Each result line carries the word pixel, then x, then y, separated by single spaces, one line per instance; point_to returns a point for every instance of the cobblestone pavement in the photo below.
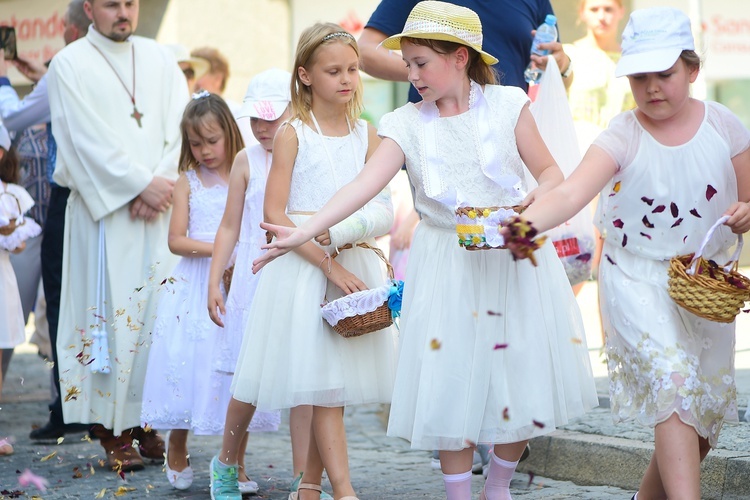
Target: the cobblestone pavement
pixel 381 467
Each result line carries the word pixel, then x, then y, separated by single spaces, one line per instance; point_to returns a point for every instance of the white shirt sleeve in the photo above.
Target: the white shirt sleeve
pixel 18 114
pixel 374 219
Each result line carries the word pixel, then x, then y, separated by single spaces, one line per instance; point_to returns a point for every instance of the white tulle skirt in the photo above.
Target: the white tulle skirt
pixel 290 356
pixel 491 351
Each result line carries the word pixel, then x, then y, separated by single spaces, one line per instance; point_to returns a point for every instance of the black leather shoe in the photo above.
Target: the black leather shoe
pixel 51 432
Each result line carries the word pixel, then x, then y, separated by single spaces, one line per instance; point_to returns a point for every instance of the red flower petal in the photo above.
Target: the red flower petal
pixel 646 235
pixel 609 259
pixel 710 192
pixel 624 239
pixel 584 257
pixel 500 346
pixel 677 223
pixel 506 414
pixel 695 213
pixel 618 223
pixel 646 222
pixel 493 313
pixel 538 424
pixel 658 209
pixel 674 209
pixel 647 201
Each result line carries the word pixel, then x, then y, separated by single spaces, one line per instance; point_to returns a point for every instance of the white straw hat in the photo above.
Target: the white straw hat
pixel 200 66
pixel 268 95
pixel 653 40
pixel 434 20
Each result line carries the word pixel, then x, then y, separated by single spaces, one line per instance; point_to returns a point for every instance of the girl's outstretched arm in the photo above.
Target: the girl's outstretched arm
pixel 179 242
pixel 378 171
pixel 536 156
pixel 568 198
pixel 227 234
pixel 739 213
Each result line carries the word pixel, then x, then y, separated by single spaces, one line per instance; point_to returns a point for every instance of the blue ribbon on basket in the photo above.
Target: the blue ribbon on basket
pixel 395 295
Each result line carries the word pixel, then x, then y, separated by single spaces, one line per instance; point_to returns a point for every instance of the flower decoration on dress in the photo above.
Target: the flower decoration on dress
pixel 395 295
pixel 520 236
pixel 201 94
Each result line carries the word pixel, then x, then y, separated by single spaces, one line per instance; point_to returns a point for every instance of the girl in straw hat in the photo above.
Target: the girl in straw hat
pixel 492 350
pixel 669 172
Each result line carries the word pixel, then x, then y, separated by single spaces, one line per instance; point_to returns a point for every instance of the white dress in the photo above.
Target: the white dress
pixel 290 356
pixel 661 203
pixel 244 283
pixel 181 390
pixel 12 327
pixel 492 350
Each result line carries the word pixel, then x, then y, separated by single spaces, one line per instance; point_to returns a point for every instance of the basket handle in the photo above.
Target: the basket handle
pixel 732 261
pixel 378 251
pixel 19 219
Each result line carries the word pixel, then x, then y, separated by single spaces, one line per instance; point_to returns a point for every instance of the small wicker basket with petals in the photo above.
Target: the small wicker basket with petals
pixel 472 236
pixel 706 289
pixel 15 221
pixel 354 326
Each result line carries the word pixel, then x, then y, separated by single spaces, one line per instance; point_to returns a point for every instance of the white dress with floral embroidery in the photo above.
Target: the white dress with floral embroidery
pixel 661 202
pixel 182 391
pixel 492 349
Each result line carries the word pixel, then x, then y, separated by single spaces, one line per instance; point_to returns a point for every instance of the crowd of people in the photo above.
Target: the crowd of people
pixel 183 243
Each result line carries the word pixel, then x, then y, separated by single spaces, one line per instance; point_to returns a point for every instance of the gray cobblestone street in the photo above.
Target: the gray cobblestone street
pixel 381 467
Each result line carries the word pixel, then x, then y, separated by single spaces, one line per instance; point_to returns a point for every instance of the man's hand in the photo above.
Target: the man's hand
pixel 140 210
pixel 34 71
pixel 158 194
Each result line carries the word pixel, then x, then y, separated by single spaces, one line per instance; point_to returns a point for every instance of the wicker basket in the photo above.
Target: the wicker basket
pixel 472 236
pixel 16 221
pixel 706 289
pixel 380 318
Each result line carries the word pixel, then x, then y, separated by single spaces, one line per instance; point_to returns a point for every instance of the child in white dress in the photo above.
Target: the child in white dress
pixel 14 203
pixel 266 105
pixel 667 172
pixel 289 355
pixel 492 350
pixel 182 392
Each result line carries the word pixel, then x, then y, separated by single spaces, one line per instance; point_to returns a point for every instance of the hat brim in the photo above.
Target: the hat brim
pixel 200 66
pixel 652 61
pixel 394 42
pixel 265 110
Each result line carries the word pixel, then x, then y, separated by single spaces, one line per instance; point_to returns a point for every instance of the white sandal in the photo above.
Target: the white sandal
pixel 181 480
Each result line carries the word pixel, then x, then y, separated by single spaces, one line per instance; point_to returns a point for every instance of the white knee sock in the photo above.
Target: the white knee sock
pixel 458 486
pixel 497 486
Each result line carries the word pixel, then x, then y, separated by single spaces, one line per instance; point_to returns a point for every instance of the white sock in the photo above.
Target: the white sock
pixel 458 486
pixel 500 473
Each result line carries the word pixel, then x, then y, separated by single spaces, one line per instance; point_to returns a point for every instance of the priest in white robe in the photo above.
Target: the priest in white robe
pixel 116 102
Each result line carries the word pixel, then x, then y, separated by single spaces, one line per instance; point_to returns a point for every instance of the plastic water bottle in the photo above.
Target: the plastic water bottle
pixel 545 33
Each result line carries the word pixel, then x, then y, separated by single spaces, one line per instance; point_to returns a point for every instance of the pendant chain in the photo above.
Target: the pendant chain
pixel 136 115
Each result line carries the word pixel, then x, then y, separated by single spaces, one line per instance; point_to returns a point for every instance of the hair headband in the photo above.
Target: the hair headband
pixel 201 94
pixel 338 34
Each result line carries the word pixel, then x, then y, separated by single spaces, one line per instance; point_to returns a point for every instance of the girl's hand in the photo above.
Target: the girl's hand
pixel 324 239
pixel 535 194
pixel 20 248
pixel 216 307
pixel 739 217
pixel 286 239
pixel 346 281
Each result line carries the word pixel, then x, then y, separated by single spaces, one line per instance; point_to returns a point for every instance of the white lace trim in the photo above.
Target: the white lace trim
pixel 355 304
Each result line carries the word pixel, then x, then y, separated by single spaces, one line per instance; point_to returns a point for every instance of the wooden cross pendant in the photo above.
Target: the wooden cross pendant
pixel 137 115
